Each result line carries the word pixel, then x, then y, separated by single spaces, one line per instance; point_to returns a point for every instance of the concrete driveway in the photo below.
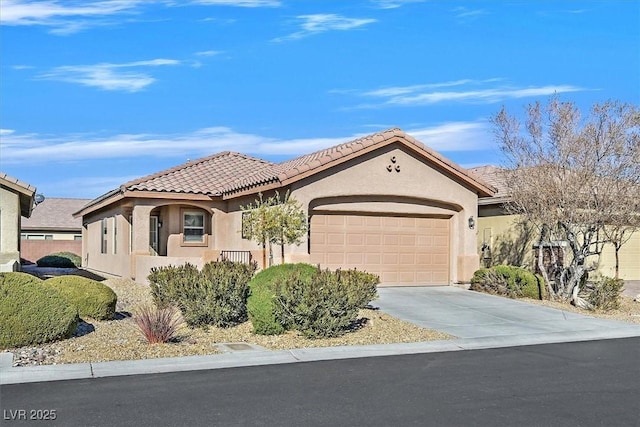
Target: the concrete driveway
pixel 468 314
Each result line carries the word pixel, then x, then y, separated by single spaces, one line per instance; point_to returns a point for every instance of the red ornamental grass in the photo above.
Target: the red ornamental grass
pixel 158 325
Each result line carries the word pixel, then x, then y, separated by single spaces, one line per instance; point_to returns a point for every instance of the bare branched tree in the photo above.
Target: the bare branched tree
pixel 570 177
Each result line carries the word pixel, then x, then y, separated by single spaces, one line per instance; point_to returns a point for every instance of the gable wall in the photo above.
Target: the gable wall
pixel 368 176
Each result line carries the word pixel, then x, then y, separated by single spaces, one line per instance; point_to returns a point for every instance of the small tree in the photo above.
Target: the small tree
pixel 274 220
pixel 290 223
pixel 571 177
pixel 259 222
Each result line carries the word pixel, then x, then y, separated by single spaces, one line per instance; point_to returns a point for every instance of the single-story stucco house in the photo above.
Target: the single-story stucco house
pixel 384 203
pixel 52 228
pixel 504 238
pixel 16 201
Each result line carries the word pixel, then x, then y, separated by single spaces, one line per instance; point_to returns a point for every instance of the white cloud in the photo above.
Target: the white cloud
pixel 67 17
pixel 240 3
pixel 108 76
pixel 36 149
pixel 455 136
pixel 322 22
pixel 464 14
pixel 64 17
pixel 393 4
pixel 209 53
pixel 465 90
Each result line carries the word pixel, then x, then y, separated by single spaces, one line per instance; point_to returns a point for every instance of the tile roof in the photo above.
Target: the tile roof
pixel 26 192
pixel 494 176
pixel 209 175
pixel 227 173
pixel 24 187
pixel 293 168
pixel 55 214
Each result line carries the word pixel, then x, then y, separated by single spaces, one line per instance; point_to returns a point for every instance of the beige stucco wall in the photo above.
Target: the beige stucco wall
pixel 361 185
pixel 9 230
pixel 366 185
pixel 502 231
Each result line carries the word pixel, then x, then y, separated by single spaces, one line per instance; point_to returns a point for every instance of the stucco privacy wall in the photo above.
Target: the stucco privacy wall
pixel 504 236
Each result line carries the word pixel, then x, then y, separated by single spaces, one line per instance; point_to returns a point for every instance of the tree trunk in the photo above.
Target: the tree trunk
pixel 617 248
pixel 282 253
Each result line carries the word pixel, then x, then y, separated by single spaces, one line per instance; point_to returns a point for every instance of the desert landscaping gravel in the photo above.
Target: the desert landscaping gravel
pixel 120 339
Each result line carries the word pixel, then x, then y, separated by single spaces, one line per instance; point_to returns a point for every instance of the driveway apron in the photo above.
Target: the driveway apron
pixel 469 314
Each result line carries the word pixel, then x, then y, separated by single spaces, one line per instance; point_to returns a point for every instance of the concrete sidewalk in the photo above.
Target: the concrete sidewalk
pixel 479 321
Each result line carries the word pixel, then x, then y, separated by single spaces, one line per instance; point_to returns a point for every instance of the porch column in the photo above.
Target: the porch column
pixel 140 233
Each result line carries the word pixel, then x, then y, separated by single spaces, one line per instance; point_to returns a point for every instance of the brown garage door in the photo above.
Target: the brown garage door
pixel 401 250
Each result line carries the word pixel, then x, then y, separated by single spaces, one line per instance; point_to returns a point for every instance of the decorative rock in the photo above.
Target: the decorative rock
pixel 33 356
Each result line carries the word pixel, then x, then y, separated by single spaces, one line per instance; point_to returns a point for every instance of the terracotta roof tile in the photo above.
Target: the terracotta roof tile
pixel 209 175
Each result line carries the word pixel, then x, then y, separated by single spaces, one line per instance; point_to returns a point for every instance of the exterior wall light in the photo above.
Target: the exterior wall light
pixel 472 222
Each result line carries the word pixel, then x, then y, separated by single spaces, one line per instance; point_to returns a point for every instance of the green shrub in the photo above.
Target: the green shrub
pixel 217 295
pixel 19 278
pixel 327 304
pixel 31 313
pixel 170 284
pixel 361 287
pixel 605 293
pixel 513 282
pixel 263 286
pixel 60 260
pixel 91 298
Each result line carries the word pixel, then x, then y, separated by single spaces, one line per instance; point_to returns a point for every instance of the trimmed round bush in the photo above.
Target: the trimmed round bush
pixel 263 286
pixel 507 280
pixel 91 298
pixel 19 278
pixel 31 313
pixel 60 260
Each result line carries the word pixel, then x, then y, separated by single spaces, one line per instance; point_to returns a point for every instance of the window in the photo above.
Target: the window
pixel 115 235
pixel 246 230
pixel 193 227
pixel 77 237
pixel 103 247
pixel 37 236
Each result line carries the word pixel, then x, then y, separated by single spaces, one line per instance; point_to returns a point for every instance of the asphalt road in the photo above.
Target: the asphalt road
pixel 593 383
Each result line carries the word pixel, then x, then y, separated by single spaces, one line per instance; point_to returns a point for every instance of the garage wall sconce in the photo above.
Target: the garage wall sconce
pixel 472 222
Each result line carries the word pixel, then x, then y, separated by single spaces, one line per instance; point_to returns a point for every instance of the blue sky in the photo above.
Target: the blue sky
pixel 95 93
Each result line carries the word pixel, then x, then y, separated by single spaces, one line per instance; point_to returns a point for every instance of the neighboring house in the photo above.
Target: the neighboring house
pixel 52 228
pixel 383 203
pixel 16 201
pixel 504 238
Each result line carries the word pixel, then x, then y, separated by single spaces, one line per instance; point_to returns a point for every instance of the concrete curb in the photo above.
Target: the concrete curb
pixel 10 375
